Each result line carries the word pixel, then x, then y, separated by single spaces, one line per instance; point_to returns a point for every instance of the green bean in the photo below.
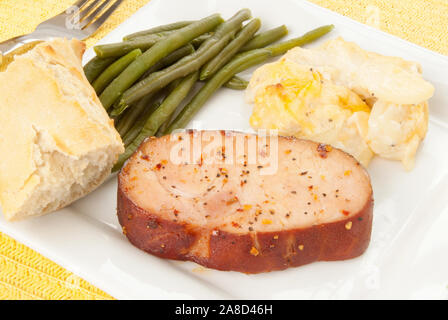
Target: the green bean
pixel 95 66
pixel 265 38
pixel 147 41
pixel 236 83
pixel 121 48
pixel 162 130
pixel 114 70
pixel 310 36
pixel 231 24
pixel 138 125
pixel 127 121
pixel 173 85
pixel 170 59
pixel 157 34
pixel 230 50
pixel 200 40
pixel 159 116
pixel 190 63
pixel 154 54
pixel 158 29
pixel 239 63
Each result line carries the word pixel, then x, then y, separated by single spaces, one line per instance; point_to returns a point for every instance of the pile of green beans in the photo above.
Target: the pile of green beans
pixel 154 54
pixel 143 82
pixel 207 50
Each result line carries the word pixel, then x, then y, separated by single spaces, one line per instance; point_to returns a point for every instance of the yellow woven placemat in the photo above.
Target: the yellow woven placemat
pixel 424 22
pixel 25 274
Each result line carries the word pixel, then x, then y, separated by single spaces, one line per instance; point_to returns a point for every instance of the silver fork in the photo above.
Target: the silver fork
pixel 79 21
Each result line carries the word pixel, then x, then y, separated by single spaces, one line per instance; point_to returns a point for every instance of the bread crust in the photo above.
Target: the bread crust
pixel 57 141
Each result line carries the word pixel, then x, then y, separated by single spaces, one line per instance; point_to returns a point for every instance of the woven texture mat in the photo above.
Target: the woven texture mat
pixel 25 274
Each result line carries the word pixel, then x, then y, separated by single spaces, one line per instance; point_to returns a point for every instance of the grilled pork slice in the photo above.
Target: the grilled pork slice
pixel 235 201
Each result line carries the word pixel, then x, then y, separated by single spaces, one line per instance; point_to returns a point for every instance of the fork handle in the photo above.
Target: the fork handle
pixel 9 44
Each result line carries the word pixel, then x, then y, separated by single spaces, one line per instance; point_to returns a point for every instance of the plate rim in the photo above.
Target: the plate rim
pixel 18 236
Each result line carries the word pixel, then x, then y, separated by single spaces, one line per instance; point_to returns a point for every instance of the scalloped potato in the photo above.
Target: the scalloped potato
pixel 361 102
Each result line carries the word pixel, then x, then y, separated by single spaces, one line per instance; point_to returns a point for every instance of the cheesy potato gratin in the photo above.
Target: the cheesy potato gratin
pixel 361 102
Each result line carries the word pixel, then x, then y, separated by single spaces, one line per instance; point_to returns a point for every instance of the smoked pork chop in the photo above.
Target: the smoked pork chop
pixel 236 201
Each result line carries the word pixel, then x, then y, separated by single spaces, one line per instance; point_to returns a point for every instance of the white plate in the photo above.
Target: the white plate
pixel 407 257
